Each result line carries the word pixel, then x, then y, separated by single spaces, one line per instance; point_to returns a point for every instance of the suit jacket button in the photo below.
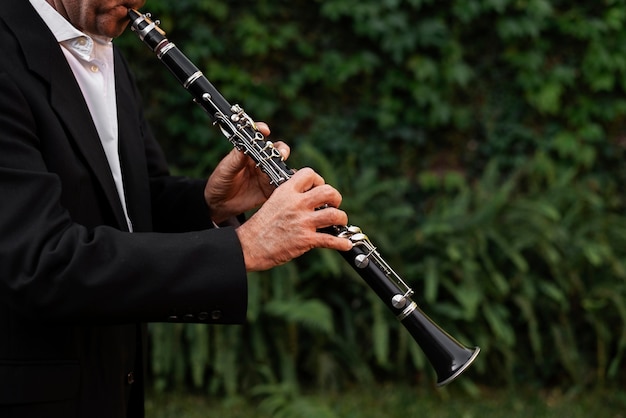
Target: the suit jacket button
pixel 130 378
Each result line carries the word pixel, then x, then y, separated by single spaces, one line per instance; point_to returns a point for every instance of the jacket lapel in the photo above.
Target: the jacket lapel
pixel 65 96
pixel 131 149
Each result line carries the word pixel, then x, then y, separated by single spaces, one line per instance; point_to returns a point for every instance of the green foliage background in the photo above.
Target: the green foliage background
pixel 479 143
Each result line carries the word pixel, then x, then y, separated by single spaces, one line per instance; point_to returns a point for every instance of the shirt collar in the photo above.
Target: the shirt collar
pixel 65 33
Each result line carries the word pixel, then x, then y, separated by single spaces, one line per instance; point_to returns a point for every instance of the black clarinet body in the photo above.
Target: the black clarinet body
pixel 448 357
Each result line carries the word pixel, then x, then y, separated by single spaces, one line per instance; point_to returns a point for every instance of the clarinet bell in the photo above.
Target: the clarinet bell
pixel 448 357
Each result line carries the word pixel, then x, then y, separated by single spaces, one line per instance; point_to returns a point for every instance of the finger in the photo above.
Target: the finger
pixel 305 179
pixel 330 241
pixel 323 195
pixel 283 148
pixel 263 128
pixel 328 217
pixel 235 160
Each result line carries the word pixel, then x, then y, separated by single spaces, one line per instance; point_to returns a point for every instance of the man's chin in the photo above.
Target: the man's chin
pixel 112 27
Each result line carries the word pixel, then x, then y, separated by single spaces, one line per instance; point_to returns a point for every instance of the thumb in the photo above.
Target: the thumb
pixel 234 161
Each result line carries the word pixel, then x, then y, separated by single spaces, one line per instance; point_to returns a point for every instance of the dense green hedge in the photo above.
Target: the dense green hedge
pixel 479 143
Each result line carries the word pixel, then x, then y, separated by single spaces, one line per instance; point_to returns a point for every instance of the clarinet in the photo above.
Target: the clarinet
pixel 448 357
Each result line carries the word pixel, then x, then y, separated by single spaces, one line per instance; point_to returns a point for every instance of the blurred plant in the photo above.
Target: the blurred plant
pixel 536 264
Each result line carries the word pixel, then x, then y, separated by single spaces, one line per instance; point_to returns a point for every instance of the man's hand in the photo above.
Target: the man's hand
pixel 287 225
pixel 237 185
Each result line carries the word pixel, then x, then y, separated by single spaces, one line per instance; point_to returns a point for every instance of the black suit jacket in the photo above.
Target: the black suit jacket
pixel 74 284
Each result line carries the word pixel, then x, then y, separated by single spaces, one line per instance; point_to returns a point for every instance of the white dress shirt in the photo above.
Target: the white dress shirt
pixel 91 60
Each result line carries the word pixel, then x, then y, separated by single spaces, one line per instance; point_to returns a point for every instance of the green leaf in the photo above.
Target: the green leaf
pixel 312 314
pixel 497 317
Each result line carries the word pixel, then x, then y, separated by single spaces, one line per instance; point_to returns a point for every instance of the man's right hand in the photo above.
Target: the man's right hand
pixel 287 225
